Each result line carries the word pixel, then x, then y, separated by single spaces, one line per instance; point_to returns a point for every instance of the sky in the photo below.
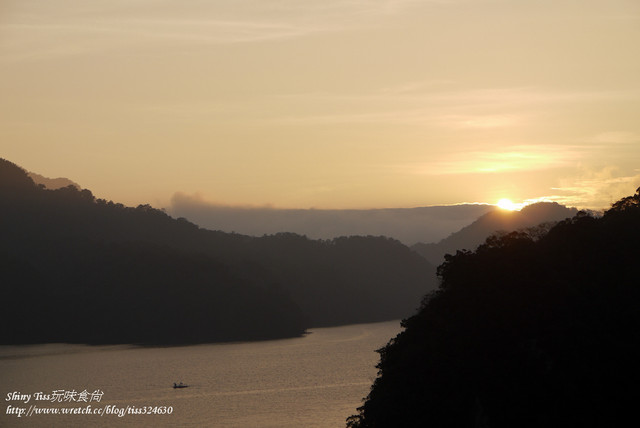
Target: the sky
pixel 339 104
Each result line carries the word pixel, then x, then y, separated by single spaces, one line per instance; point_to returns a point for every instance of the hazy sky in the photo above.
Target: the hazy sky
pixel 326 104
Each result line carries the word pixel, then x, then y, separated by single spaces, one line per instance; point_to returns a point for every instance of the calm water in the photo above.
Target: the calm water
pixel 314 381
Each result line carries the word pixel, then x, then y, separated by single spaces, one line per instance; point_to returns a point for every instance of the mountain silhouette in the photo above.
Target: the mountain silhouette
pixel 408 225
pixel 541 214
pixel 531 329
pixel 136 275
pixel 52 183
pixel 76 269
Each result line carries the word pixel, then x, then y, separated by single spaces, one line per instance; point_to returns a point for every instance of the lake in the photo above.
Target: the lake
pixel 313 381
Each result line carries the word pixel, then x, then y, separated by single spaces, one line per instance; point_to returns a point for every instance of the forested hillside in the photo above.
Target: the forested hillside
pixel 527 331
pixel 77 269
pixel 541 215
pixel 118 274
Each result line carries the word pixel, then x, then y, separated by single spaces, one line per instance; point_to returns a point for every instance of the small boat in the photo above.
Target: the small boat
pixel 180 385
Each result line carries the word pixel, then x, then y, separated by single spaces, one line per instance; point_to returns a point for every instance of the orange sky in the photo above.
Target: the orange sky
pixel 333 104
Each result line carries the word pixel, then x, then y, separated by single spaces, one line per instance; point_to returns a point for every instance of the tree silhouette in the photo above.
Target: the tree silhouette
pixel 143 276
pixel 526 331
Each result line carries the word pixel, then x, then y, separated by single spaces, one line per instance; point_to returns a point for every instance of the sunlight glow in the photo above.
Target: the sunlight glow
pixel 506 204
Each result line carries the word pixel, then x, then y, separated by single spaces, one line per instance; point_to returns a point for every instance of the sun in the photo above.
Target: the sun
pixel 506 204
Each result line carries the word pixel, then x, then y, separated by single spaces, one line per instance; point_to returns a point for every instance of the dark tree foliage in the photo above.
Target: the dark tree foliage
pixel 346 280
pixel 527 331
pixel 75 268
pixel 541 215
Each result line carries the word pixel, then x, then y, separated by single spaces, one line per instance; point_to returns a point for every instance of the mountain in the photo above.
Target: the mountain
pixel 408 225
pixel 345 280
pixel 529 330
pixel 76 269
pixel 52 183
pixel 137 275
pixel 542 214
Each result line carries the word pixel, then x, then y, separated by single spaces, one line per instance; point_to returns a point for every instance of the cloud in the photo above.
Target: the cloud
pixel 483 121
pixel 438 104
pixel 41 30
pixel 71 39
pixel 617 137
pixel 416 86
pixel 595 189
pixel 503 159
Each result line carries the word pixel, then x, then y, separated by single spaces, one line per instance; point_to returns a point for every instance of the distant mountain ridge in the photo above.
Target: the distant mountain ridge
pixel 408 225
pixel 52 183
pixel 471 236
